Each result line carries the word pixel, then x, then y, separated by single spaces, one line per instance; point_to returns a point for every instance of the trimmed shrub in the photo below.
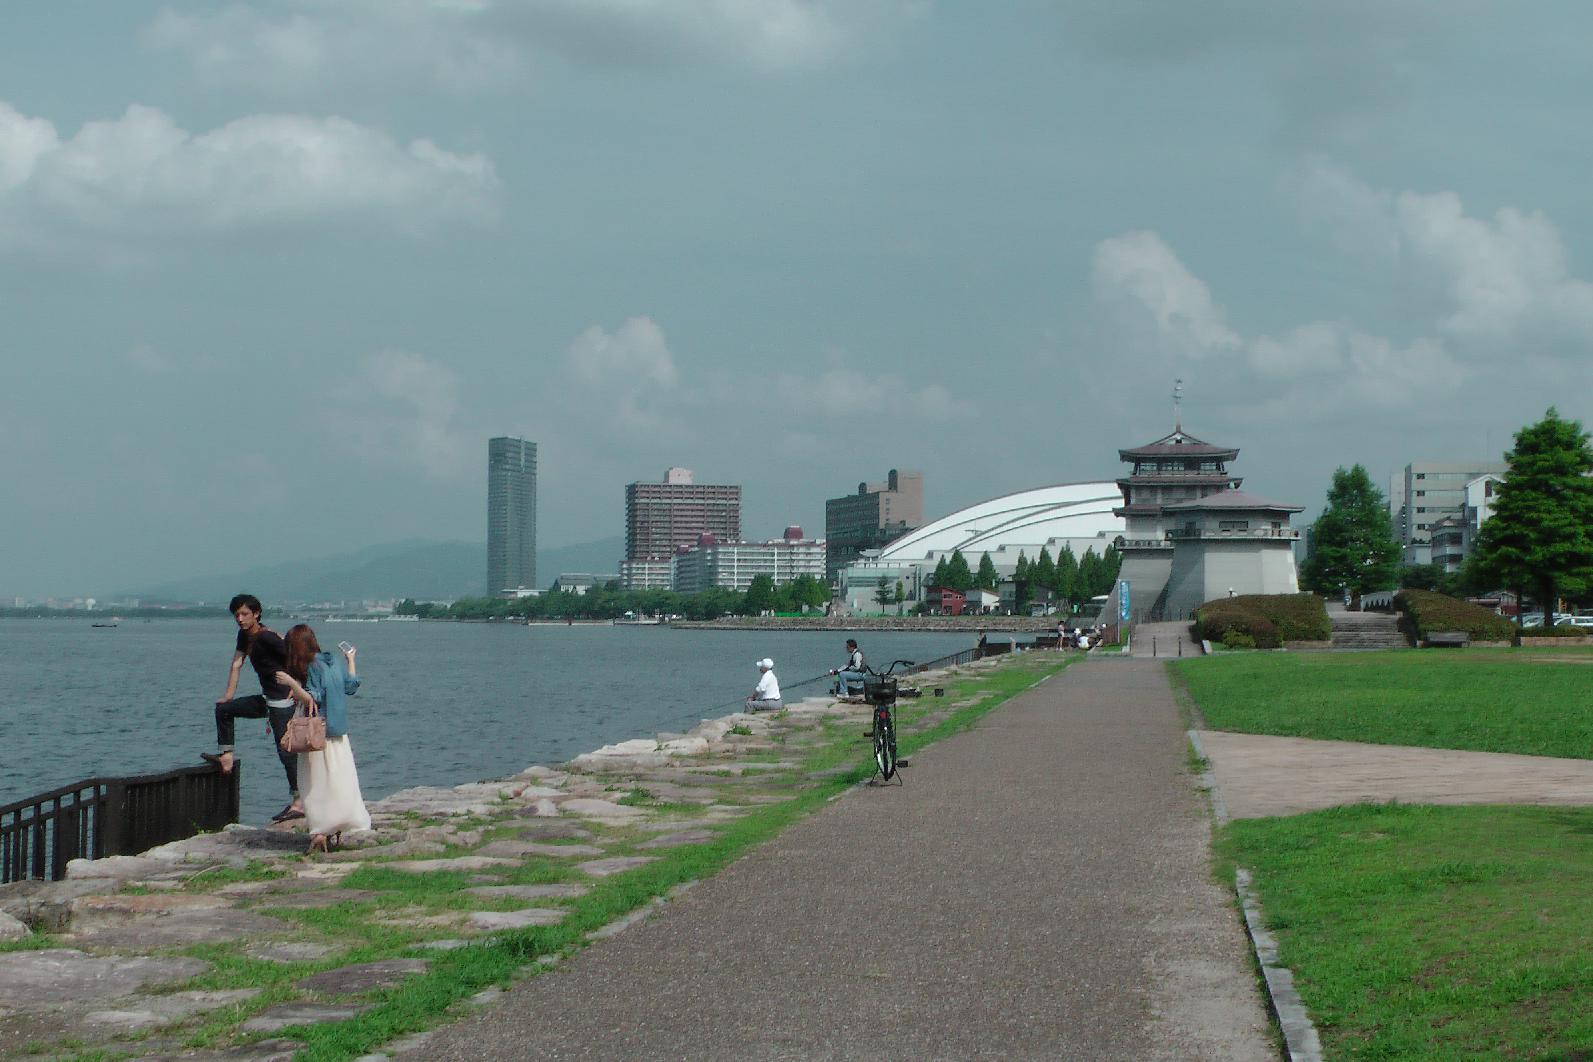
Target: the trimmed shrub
pixel 1559 630
pixel 1271 619
pixel 1430 612
pixel 1239 640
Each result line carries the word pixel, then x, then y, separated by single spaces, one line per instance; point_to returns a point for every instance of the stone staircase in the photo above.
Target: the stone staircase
pixel 1367 630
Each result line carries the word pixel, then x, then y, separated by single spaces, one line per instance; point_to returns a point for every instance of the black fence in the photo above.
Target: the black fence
pixel 112 816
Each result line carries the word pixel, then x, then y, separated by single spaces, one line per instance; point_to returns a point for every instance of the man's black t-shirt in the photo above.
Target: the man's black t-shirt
pixel 269 654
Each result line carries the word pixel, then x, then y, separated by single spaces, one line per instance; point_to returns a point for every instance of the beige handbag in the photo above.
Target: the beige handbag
pixel 305 733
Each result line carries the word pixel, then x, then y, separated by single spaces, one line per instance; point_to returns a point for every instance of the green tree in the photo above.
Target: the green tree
pixel 760 594
pixel 940 576
pixel 809 591
pixel 901 595
pixel 1352 542
pixel 1089 577
pixel 1420 576
pixel 1067 574
pixel 986 579
pixel 1044 571
pixel 1541 534
pixel 1022 584
pixel 958 575
pixel 882 593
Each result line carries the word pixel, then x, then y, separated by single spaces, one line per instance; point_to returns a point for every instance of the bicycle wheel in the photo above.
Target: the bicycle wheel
pixel 885 744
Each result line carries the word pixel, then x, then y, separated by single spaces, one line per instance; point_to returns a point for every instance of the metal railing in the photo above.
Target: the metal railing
pixel 100 817
pixel 1177 533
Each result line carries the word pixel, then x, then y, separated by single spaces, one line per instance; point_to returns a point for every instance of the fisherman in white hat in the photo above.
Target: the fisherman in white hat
pixel 766 695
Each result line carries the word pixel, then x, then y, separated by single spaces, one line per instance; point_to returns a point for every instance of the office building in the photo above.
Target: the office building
pixel 1428 492
pixel 661 518
pixel 877 515
pixel 511 515
pixel 733 565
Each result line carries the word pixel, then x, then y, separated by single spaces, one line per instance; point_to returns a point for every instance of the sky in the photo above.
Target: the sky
pixel 271 274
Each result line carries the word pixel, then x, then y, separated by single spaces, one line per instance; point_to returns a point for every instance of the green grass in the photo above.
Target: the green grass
pixel 1488 700
pixel 1432 933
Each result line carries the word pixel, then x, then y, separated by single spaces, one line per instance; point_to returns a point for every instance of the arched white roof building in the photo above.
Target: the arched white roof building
pixel 1027 519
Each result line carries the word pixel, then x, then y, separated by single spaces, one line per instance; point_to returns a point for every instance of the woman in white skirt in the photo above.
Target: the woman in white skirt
pixel 327 779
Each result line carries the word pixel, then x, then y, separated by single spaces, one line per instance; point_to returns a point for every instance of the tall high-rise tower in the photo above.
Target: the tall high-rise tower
pixel 511 514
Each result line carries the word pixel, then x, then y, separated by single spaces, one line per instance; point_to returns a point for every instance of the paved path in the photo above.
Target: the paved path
pixel 1164 640
pixel 1038 889
pixel 1259 775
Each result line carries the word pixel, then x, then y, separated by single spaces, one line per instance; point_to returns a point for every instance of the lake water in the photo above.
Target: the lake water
pixel 441 704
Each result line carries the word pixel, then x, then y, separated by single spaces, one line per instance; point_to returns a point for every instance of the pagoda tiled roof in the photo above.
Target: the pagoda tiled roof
pixel 1232 499
pixel 1179 444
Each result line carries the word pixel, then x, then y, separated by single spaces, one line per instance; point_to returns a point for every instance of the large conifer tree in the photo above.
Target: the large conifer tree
pixel 986 579
pixel 1352 542
pixel 1541 533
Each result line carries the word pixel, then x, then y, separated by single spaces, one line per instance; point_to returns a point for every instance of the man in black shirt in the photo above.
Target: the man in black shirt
pixel 268 654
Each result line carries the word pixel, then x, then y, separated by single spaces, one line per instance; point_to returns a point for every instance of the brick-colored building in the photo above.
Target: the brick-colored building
pixel 661 517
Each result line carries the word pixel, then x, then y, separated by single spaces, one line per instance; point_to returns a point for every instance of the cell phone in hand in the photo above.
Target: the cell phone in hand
pixel 345 646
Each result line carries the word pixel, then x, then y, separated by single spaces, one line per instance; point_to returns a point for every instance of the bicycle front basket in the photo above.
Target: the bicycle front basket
pixel 879 689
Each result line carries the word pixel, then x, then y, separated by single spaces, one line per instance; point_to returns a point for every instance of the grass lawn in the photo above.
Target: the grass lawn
pixel 1432 933
pixel 1488 700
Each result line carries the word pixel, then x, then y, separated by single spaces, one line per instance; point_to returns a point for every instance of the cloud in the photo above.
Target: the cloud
pixel 630 373
pixel 473 45
pixel 1142 282
pixel 315 42
pixel 1497 282
pixel 141 180
pixel 1166 319
pixel 1326 66
pixel 402 410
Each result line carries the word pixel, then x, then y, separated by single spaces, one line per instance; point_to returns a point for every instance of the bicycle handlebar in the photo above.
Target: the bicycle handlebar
pixel 888 670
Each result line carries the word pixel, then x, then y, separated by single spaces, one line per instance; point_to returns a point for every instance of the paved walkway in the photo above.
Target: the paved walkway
pixel 1039 889
pixel 1164 640
pixel 1259 776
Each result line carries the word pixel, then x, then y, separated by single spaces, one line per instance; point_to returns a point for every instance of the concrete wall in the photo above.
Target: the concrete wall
pixel 1206 569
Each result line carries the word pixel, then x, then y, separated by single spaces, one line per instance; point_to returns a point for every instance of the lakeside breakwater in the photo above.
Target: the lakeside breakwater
pixel 442 869
pixel 970 625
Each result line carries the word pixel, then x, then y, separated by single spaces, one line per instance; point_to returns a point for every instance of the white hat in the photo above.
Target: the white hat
pixel 766 663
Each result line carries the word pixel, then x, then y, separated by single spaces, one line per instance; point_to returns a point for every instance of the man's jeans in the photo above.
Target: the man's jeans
pixel 843 678
pixel 255 707
pixel 763 704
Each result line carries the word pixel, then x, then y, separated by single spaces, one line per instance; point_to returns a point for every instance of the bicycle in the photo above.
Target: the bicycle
pixel 879 690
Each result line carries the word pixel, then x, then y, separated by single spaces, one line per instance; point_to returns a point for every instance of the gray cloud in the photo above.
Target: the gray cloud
pixel 141 180
pixel 479 45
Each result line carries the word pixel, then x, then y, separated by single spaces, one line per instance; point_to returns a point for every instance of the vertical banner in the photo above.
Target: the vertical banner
pixel 1122 601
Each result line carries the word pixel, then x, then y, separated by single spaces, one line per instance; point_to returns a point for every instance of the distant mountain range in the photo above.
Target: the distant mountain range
pixel 424 570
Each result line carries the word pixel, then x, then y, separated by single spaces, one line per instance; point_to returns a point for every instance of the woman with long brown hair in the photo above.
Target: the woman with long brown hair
pixel 330 784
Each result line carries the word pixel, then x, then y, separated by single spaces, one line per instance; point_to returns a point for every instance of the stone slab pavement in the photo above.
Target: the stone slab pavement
pixel 1259 775
pixel 1038 889
pixel 1164 640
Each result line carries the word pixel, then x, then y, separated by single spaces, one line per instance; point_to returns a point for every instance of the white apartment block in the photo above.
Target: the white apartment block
pixel 733 565
pixel 1429 492
pixel 646 575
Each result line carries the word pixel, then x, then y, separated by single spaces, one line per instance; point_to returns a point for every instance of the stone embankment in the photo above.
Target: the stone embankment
pixel 236 942
pixel 963 624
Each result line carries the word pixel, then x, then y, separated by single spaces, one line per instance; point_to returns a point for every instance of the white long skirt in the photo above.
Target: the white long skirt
pixel 330 787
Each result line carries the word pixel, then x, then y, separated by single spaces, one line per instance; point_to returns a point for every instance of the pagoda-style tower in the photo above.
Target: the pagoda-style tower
pixel 1174 469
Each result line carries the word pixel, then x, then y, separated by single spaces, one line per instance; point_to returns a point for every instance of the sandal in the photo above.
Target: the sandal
pixel 217 758
pixel 317 844
pixel 287 814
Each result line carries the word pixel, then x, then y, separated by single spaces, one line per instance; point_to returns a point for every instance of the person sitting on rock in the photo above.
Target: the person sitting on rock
pixel 766 695
pixel 851 672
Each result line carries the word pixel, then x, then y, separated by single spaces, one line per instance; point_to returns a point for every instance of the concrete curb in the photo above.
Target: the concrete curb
pixel 1300 1040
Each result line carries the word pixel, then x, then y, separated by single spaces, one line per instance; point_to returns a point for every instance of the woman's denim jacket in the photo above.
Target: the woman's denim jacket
pixel 329 683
